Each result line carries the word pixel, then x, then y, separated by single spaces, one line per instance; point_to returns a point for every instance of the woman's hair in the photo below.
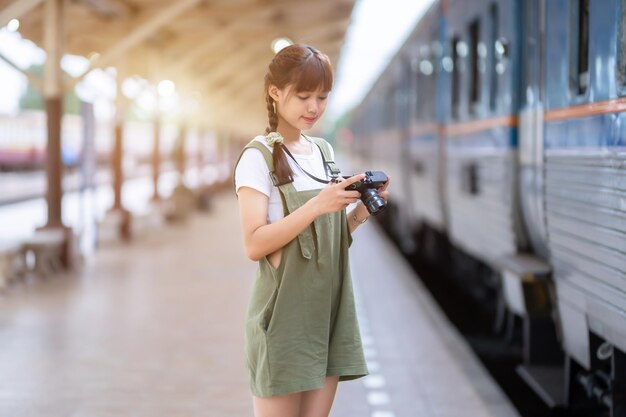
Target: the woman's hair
pixel 305 69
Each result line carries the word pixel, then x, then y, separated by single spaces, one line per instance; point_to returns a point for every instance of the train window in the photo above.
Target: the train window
pixel 493 82
pixel 425 86
pixel 622 46
pixel 470 179
pixel 456 77
pixel 579 46
pixel 474 33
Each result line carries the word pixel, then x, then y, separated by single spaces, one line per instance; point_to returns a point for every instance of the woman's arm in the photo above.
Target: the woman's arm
pixel 261 239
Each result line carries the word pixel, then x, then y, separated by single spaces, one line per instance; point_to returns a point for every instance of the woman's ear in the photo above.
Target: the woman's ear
pixel 274 92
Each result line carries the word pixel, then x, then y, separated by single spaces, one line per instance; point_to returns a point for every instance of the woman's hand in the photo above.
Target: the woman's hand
pixel 383 190
pixel 334 197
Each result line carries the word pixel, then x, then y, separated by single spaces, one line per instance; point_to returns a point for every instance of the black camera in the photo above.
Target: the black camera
pixel 368 187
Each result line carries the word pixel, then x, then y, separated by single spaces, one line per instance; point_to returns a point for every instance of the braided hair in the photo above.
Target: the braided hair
pixel 306 69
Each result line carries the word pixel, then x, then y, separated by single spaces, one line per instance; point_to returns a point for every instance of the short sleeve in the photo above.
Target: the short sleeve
pixel 252 171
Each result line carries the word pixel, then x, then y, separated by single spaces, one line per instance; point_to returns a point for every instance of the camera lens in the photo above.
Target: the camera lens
pixel 373 201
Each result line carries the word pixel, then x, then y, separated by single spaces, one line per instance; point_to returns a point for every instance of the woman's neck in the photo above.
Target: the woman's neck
pixel 289 133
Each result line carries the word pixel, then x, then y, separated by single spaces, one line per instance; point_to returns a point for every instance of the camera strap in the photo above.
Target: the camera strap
pixel 330 172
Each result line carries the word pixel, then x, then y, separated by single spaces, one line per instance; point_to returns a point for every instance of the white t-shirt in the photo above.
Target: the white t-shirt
pixel 252 172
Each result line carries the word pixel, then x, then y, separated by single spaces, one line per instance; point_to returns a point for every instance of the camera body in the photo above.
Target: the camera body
pixel 368 187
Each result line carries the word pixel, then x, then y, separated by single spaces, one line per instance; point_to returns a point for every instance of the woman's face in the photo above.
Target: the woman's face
pixel 300 109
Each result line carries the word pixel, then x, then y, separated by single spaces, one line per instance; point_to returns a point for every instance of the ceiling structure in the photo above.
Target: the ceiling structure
pixel 218 48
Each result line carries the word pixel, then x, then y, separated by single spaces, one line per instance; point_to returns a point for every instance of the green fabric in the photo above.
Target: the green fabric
pixel 325 147
pixel 301 322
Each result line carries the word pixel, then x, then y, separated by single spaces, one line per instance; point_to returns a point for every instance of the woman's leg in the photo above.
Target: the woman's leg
pixel 278 406
pixel 317 402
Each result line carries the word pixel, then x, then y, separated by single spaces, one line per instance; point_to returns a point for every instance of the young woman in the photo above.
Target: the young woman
pixel 302 335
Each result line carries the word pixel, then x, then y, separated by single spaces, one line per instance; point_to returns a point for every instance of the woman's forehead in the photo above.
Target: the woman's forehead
pixel 291 89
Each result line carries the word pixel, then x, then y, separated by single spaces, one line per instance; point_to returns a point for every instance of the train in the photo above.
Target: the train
pixel 502 124
pixel 23 141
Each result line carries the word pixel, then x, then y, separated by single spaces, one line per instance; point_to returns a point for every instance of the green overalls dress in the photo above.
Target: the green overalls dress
pixel 301 323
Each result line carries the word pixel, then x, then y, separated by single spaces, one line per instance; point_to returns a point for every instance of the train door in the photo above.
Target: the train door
pixel 531 144
pixel 405 222
pixel 481 134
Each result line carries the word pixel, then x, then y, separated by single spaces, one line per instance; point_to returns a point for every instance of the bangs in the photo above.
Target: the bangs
pixel 314 74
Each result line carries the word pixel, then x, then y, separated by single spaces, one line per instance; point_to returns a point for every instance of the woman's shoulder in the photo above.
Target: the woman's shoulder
pixel 323 144
pixel 252 147
pixel 261 139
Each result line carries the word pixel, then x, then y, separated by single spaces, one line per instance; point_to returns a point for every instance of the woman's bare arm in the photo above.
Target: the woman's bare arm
pixel 261 239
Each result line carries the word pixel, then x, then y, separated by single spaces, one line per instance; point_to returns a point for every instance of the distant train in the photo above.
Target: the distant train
pixel 23 141
pixel 502 125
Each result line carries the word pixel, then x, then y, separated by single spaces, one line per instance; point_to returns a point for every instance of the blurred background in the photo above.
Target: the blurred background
pixel 181 87
pixel 493 284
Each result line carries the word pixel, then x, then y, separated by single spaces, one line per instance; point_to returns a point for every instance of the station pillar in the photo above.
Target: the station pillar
pixel 124 216
pixel 156 157
pixel 53 97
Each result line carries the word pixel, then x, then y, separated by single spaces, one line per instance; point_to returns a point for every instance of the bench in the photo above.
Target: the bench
pixel 42 252
pixel 10 266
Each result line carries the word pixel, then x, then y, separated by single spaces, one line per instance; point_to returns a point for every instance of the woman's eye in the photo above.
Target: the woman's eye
pixel 323 98
pixel 302 97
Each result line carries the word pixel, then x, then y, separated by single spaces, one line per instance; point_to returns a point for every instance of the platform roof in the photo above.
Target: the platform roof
pixel 218 48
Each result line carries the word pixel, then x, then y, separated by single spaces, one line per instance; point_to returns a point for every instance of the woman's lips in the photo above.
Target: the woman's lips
pixel 309 119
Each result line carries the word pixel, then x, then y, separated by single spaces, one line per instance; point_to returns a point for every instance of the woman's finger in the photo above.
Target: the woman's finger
pixel 386 185
pixel 351 180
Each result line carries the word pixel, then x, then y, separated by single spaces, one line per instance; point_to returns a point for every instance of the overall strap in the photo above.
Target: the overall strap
pixel 290 199
pixel 326 155
pixel 269 161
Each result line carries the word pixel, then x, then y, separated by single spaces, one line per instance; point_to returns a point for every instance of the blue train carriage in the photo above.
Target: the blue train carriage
pixel 396 130
pixel 367 122
pixel 381 126
pixel 422 153
pixel 480 131
pixel 585 191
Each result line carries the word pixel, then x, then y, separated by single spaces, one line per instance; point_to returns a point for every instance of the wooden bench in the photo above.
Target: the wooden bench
pixel 10 265
pixel 45 247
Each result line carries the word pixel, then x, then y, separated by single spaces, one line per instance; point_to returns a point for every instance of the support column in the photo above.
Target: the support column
pixel 156 155
pixel 200 151
pixel 53 97
pixel 117 159
pixel 53 94
pixel 181 154
pixel 118 144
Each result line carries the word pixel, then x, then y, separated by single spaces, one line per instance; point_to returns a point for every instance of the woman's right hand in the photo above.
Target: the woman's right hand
pixel 334 196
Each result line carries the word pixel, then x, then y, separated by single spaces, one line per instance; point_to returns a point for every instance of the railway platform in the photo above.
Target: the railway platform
pixel 155 328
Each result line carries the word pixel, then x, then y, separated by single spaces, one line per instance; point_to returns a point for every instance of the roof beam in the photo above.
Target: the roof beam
pixel 145 29
pixel 201 49
pixel 16 10
pixel 141 32
pixel 243 69
pixel 36 81
pixel 110 8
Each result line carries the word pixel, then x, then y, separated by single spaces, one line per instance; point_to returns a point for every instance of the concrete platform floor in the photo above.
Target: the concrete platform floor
pixel 155 328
